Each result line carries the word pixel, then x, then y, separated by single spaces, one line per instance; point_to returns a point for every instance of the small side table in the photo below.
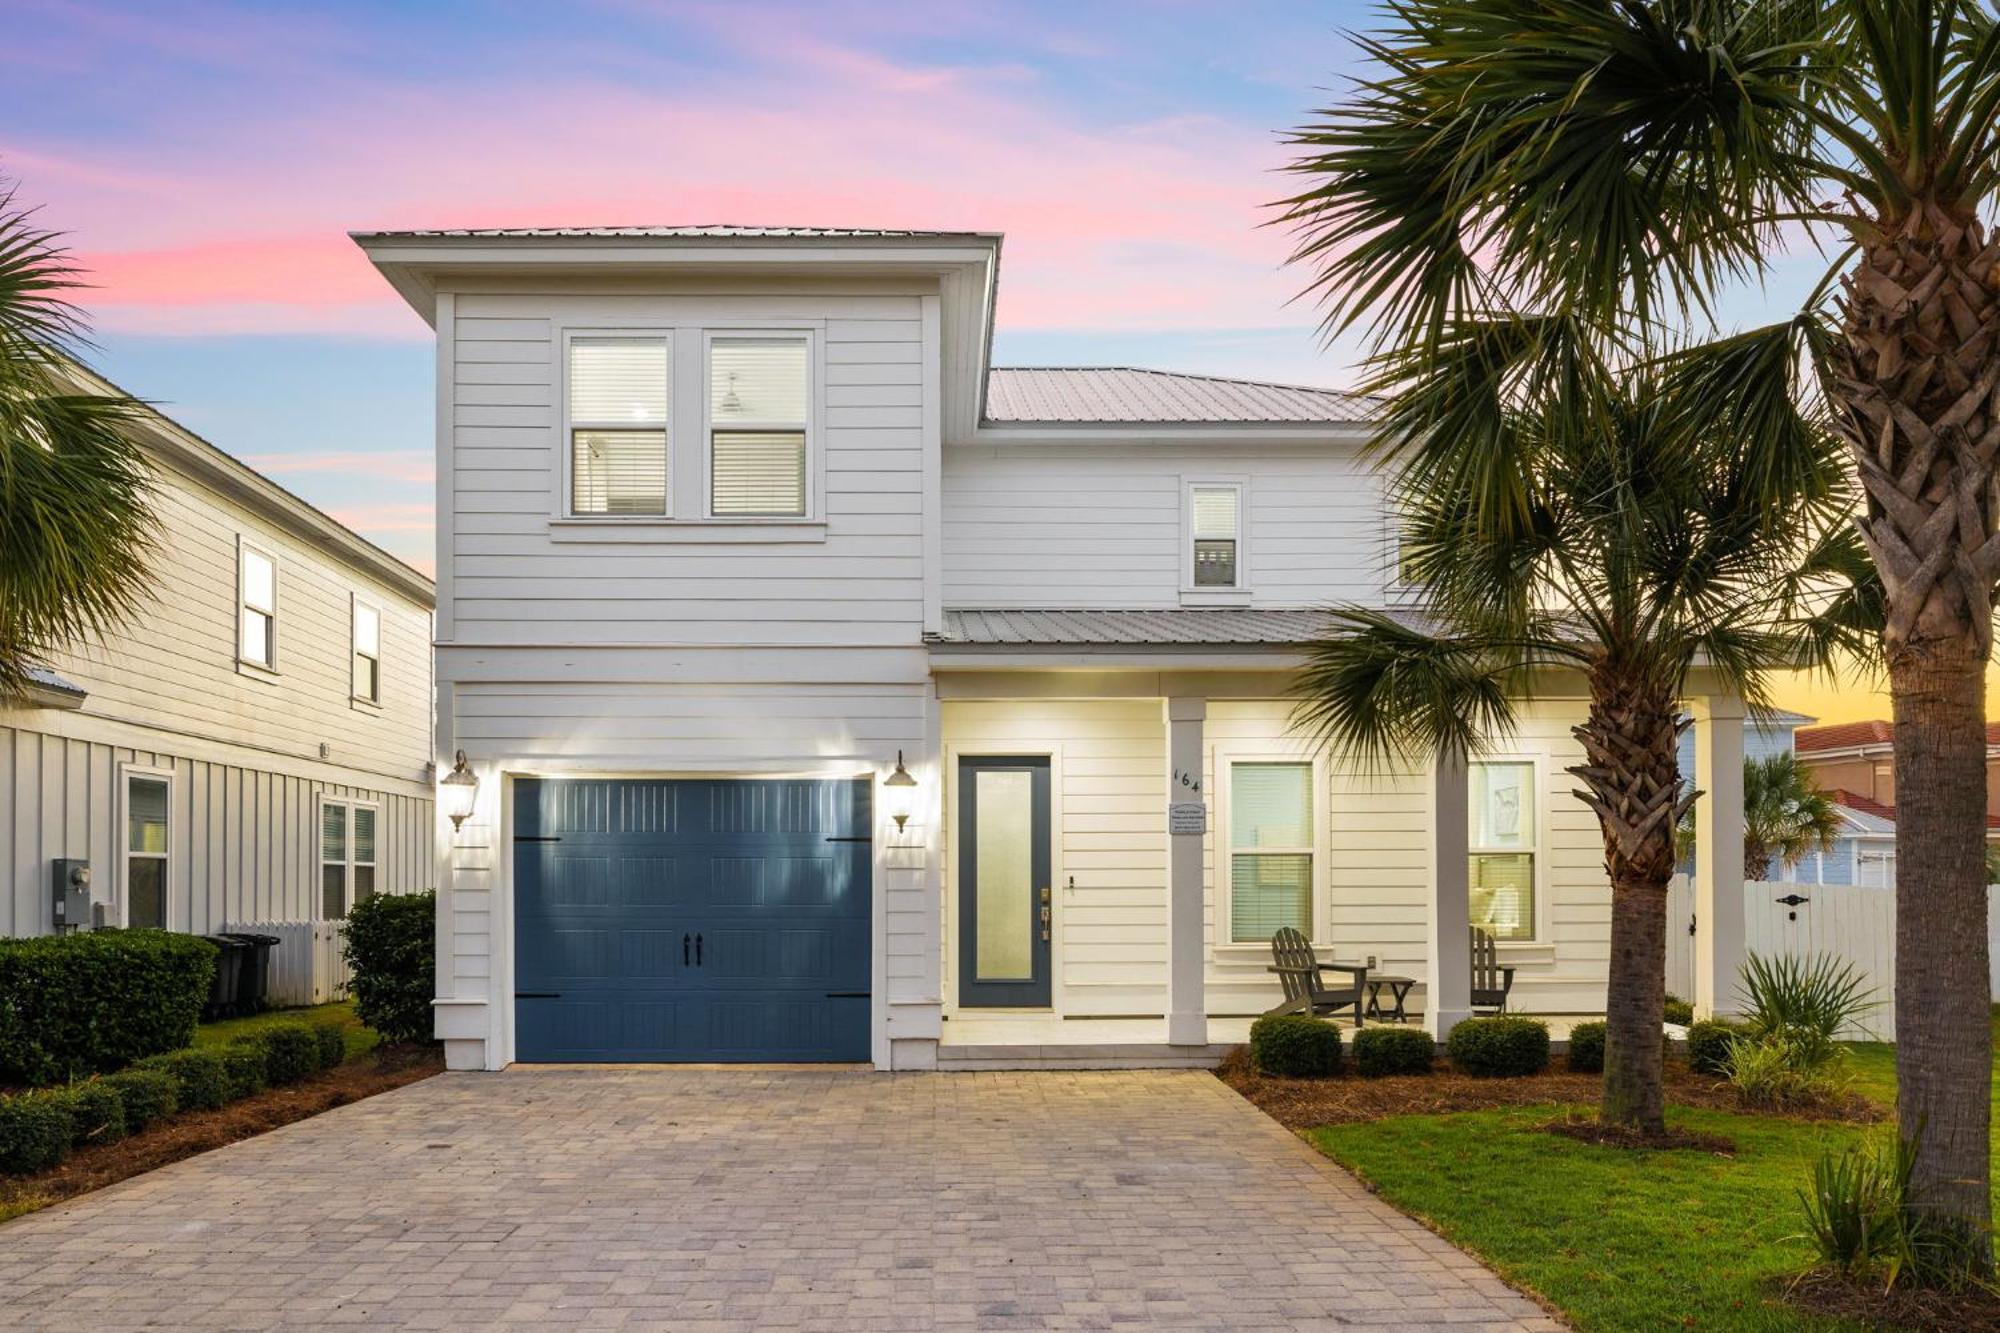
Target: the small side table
pixel 1399 991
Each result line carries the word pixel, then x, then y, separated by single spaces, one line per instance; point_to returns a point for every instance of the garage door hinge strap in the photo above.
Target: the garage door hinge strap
pixel 528 837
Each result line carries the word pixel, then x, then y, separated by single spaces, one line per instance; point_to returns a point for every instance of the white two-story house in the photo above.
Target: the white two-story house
pixel 835 696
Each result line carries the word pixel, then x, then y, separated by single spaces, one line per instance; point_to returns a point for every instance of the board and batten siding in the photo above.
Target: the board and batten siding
pixel 677 646
pixel 1100 525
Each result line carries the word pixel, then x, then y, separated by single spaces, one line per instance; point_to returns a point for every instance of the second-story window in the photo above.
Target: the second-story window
pixel 1215 521
pixel 257 583
pixel 367 653
pixel 757 423
pixel 618 391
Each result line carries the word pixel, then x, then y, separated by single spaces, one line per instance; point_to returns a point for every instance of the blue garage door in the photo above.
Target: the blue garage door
pixel 691 920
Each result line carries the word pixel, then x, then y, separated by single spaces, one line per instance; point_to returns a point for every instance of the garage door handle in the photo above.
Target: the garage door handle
pixel 538 995
pixel 684 950
pixel 697 950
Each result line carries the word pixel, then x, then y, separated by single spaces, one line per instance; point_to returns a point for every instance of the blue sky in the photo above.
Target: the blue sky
pixel 208 159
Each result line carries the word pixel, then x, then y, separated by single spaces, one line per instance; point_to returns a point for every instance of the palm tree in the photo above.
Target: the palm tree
pixel 76 529
pixel 1650 545
pixel 1639 157
pixel 1785 814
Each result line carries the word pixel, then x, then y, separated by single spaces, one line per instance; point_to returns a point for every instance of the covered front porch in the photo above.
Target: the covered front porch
pixel 1119 843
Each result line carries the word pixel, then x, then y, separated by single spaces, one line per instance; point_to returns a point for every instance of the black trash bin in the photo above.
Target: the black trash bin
pixel 254 989
pixel 224 990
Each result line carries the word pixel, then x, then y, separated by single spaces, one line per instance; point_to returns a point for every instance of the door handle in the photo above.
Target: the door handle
pixel 1045 913
pixel 684 949
pixel 697 950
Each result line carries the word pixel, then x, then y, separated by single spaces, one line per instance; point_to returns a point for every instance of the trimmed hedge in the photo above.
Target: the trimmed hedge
pixel 148 1095
pixel 291 1051
pixel 1679 1011
pixel 97 1114
pixel 1586 1048
pixel 243 1070
pixel 1295 1046
pixel 392 951
pixel 203 1083
pixel 1382 1051
pixel 1709 1043
pixel 1505 1046
pixel 331 1045
pixel 35 1130
pixel 94 1001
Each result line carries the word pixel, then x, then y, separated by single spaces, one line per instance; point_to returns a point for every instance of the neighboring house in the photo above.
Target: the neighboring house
pixel 1855 763
pixel 834 697
pixel 253 746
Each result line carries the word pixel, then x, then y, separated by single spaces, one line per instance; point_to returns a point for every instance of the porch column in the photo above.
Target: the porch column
pixel 1718 858
pixel 1448 987
pixel 1187 937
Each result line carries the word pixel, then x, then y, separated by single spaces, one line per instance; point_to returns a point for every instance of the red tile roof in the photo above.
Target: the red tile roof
pixel 1854 800
pixel 1842 736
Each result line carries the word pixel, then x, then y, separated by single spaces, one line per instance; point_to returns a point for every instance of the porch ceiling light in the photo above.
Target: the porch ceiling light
pixel 900 800
pixel 457 790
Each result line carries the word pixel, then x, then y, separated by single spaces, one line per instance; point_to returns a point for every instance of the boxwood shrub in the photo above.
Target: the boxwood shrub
pixel 94 1001
pixel 1709 1044
pixel 35 1130
pixel 1380 1051
pixel 1295 1046
pixel 1506 1046
pixel 330 1041
pixel 1586 1048
pixel 97 1114
pixel 148 1095
pixel 392 951
pixel 199 1076
pixel 243 1070
pixel 291 1051
pixel 1679 1011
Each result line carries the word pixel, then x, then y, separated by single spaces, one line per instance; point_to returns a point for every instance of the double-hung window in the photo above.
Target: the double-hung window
pixel 1502 836
pixel 1270 850
pixel 367 653
pixel 148 830
pixel 1215 523
pixel 618 391
pixel 346 856
pixel 758 396
pixel 257 595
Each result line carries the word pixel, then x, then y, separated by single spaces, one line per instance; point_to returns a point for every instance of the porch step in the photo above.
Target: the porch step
pixel 1127 1055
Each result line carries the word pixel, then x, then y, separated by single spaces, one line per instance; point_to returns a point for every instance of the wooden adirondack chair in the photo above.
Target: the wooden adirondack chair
pixel 1490 981
pixel 1305 990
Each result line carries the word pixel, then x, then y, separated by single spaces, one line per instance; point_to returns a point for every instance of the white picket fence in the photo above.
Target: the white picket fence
pixel 308 964
pixel 1849 921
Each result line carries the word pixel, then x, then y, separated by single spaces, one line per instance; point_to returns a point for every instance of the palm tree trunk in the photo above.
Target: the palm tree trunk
pixel 1632 781
pixel 1756 860
pixel 1916 375
pixel 1944 1055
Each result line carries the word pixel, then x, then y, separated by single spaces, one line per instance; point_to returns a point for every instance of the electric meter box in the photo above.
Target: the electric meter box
pixel 71 884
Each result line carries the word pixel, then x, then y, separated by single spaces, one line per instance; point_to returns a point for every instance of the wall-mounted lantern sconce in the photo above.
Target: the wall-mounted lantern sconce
pixel 457 790
pixel 902 798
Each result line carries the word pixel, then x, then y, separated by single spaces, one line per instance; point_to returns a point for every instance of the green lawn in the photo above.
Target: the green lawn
pixel 360 1039
pixel 1617 1239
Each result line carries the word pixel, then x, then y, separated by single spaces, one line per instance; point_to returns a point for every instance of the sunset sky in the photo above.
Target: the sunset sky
pixel 207 161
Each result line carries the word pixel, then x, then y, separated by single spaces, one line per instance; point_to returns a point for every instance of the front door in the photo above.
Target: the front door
pixel 1004 908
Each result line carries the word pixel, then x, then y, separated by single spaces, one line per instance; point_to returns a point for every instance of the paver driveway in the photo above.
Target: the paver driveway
pixel 709 1199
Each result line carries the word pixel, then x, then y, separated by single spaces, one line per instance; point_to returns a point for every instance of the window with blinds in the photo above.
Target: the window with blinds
pixel 257 632
pixel 758 393
pixel 618 392
pixel 1215 520
pixel 367 653
pixel 346 857
pixel 1502 837
pixel 1270 850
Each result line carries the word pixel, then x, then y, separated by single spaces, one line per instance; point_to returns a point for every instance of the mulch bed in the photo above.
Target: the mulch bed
pixel 1837 1297
pixel 1299 1103
pixel 1624 1136
pixel 194 1132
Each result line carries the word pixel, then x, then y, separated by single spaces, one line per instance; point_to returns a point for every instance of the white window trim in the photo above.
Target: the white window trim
pixel 1221 866
pixel 351 804
pixel 1540 850
pixel 815 414
pixel 1240 593
pixel 356 603
pixel 249 666
pixel 126 772
pixel 566 427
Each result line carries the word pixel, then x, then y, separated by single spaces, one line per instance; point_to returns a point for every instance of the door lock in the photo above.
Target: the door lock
pixel 1045 913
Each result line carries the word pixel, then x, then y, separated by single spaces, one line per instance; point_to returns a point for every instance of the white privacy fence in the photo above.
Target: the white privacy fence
pixel 1854 922
pixel 308 963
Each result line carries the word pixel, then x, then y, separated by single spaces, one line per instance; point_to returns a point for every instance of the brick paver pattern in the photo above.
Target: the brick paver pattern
pixel 709 1199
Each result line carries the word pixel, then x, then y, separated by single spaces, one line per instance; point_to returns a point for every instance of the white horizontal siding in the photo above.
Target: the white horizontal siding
pixel 1100 526
pixel 242 838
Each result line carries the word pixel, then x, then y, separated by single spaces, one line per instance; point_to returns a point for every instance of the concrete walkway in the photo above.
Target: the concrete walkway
pixel 714 1199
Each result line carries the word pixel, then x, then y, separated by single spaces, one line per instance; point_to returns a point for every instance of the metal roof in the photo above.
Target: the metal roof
pixel 1127 394
pixel 717 231
pixel 1225 627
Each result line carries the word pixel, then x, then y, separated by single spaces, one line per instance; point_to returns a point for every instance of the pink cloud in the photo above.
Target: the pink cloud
pixel 407 465
pixel 370 520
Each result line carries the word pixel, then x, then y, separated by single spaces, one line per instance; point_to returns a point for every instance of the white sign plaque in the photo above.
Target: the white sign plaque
pixel 1187 817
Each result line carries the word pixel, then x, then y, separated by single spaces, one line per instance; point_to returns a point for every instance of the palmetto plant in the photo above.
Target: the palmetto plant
pixel 1618 159
pixel 1644 542
pixel 76 529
